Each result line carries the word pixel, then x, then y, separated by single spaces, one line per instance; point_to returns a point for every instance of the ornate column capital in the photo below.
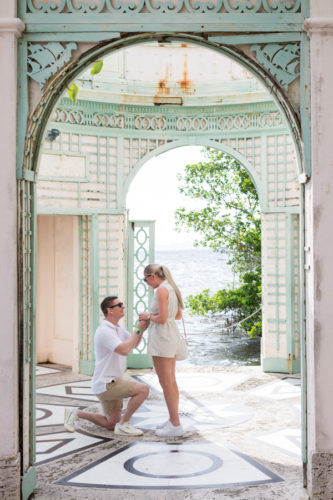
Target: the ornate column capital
pixel 319 25
pixel 12 25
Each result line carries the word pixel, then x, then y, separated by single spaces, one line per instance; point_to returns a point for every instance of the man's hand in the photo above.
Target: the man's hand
pixel 142 324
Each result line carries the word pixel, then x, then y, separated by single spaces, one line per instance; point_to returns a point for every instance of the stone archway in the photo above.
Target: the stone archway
pixel 238 48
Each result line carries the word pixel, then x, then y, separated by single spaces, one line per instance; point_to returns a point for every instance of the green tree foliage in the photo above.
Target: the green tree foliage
pixel 229 222
pixel 73 90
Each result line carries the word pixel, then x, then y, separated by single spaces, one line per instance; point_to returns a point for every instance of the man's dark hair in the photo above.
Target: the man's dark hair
pixel 107 302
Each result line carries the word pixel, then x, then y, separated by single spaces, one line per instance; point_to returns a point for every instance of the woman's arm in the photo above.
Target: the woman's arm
pixel 179 314
pixel 162 300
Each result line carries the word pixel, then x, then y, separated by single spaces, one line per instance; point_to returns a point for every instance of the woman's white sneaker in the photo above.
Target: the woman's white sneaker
pixel 170 430
pixel 160 426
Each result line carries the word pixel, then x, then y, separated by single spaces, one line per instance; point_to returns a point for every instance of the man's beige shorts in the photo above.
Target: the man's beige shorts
pixel 112 399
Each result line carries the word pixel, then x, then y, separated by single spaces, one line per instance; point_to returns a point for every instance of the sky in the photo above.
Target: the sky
pixel 154 195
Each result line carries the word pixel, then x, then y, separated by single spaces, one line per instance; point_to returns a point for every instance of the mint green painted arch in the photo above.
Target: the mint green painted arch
pixel 199 141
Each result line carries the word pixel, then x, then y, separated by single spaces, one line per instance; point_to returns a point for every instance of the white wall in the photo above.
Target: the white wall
pixel 58 290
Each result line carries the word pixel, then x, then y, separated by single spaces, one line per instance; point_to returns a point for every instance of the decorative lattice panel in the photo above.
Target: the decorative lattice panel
pixel 281 285
pixel 89 180
pixel 110 255
pixel 249 147
pixel 282 181
pixel 136 149
pixel 141 244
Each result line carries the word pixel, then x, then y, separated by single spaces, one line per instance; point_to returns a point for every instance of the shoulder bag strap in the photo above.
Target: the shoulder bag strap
pixel 184 329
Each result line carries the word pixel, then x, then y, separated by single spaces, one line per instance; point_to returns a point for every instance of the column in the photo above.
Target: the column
pixel 10 29
pixel 319 242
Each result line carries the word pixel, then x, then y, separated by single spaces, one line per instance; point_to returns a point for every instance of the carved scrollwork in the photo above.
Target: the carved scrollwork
pixel 80 114
pixel 150 122
pixel 124 6
pixel 282 61
pixel 163 6
pixel 276 6
pixel 45 60
pixel 242 6
pixel 204 6
pixel 85 6
pixel 111 121
pixel 186 123
pixel 45 7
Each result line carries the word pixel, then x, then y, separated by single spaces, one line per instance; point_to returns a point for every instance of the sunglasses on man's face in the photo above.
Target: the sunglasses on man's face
pixel 120 304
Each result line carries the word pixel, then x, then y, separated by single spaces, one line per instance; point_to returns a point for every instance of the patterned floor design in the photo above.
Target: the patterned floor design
pixel 287 440
pixel 59 444
pixel 50 415
pixel 146 465
pixel 162 465
pixel 195 415
pixel 43 370
pixel 285 388
pixel 198 382
pixel 74 390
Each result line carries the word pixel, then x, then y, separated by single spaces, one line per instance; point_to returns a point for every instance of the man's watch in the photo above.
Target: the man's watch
pixel 138 331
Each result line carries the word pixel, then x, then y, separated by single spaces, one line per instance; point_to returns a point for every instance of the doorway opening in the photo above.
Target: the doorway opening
pixel 58 284
pixel 115 139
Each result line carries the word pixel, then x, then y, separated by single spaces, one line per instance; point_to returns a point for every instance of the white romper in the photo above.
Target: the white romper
pixel 163 340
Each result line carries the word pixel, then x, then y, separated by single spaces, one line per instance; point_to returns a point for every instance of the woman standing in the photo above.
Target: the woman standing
pixel 164 339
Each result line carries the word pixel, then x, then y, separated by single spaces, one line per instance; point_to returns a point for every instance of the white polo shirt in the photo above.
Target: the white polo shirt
pixel 108 364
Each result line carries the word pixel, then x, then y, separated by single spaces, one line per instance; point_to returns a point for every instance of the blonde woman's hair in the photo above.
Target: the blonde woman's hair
pixel 164 273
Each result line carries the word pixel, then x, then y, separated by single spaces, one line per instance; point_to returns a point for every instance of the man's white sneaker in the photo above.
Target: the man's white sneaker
pixel 160 426
pixel 126 429
pixel 170 430
pixel 70 419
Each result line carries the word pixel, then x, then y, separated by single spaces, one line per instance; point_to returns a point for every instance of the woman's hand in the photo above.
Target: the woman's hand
pixel 144 316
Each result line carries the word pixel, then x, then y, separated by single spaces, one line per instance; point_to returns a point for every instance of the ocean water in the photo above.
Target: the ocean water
pixel 209 342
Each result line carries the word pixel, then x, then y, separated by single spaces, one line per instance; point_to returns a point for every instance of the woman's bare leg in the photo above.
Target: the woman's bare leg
pixel 165 369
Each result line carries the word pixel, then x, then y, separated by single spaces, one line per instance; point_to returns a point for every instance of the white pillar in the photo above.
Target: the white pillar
pixel 10 29
pixel 319 236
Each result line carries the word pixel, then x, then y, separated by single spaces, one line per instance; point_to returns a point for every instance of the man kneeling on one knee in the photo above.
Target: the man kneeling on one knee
pixel 112 344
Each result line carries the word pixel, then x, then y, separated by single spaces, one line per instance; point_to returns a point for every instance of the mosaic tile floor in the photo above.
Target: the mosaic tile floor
pixel 59 444
pixel 198 382
pixel 195 415
pixel 297 409
pixel 285 388
pixel 49 415
pixel 145 465
pixel 74 390
pixel 287 440
pixel 189 464
pixel 43 370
